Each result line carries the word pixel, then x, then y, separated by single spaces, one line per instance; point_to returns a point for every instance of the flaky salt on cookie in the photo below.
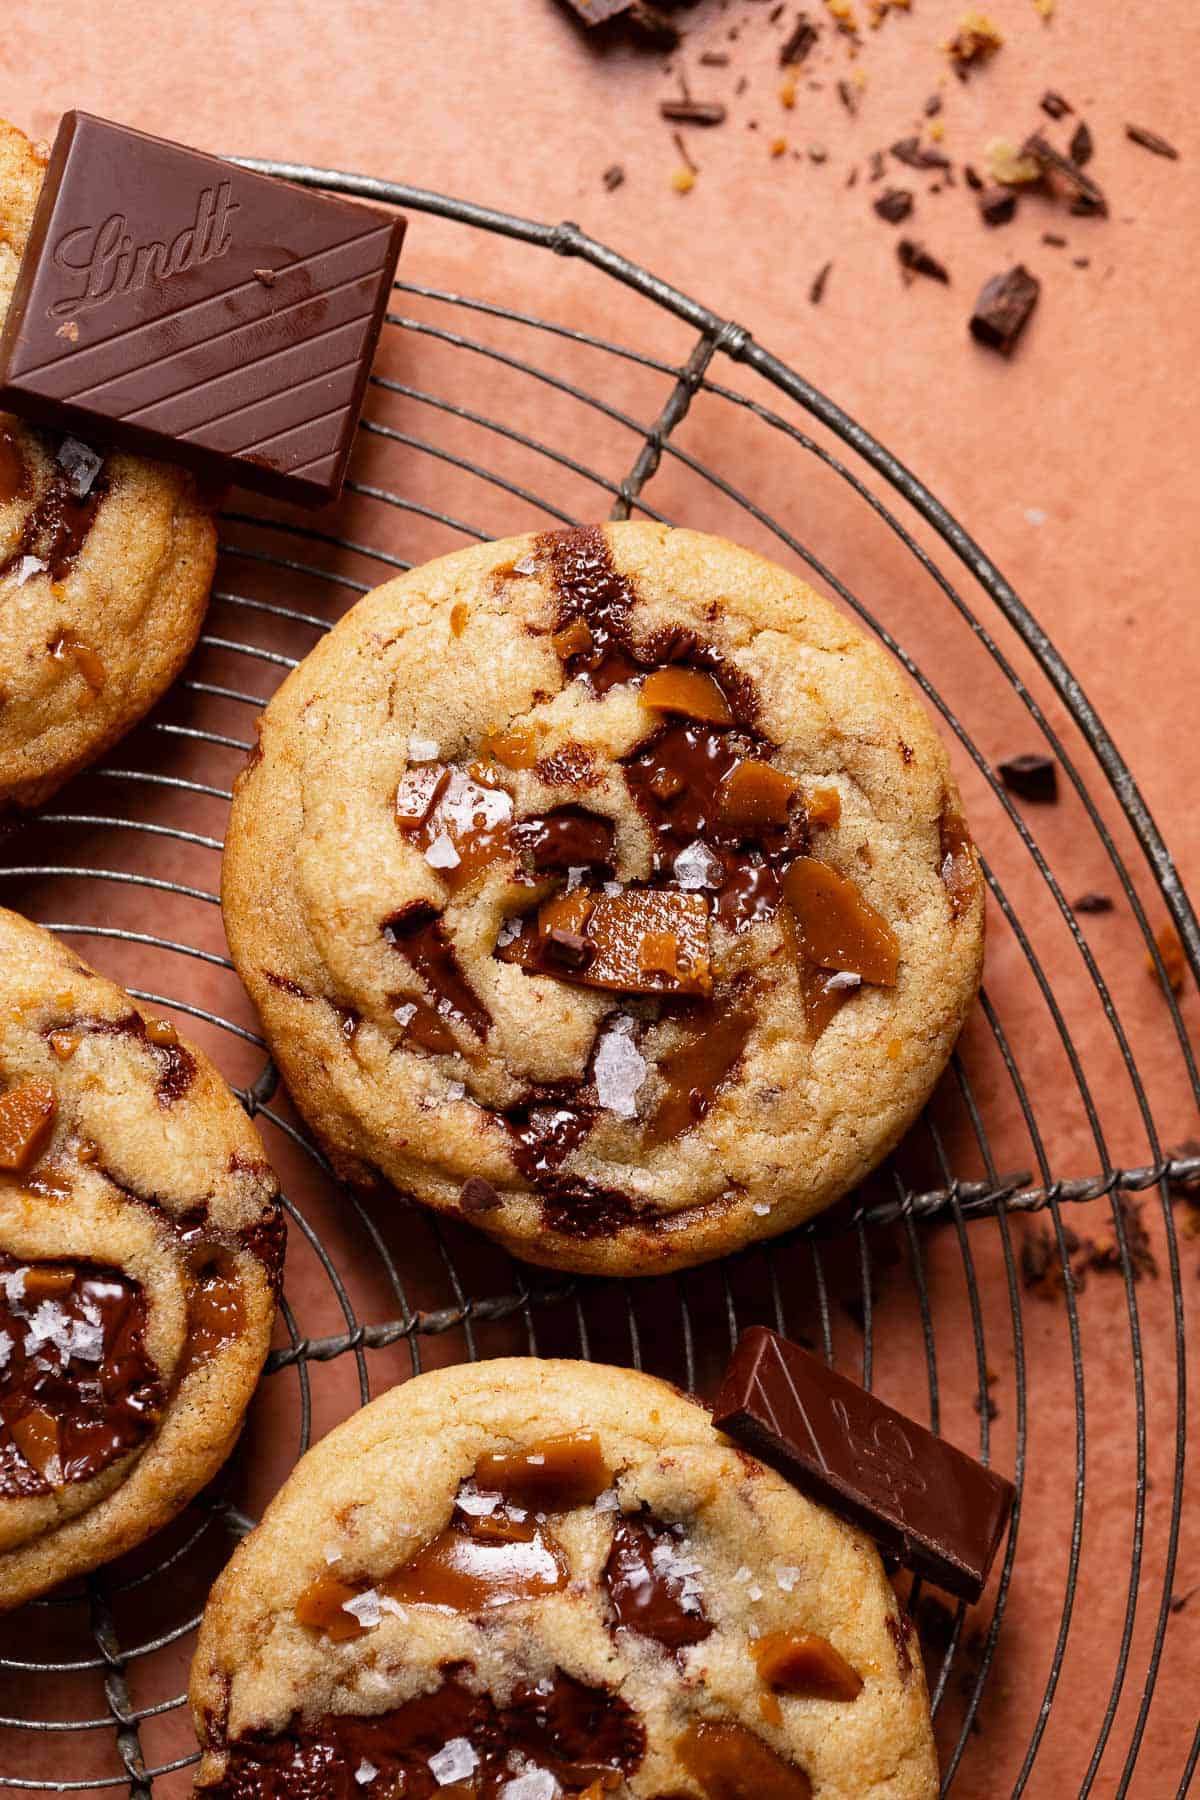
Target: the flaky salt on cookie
pixel 520 1580
pixel 140 1248
pixel 606 888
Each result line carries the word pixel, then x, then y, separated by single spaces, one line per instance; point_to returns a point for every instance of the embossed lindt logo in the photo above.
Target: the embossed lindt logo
pixel 110 263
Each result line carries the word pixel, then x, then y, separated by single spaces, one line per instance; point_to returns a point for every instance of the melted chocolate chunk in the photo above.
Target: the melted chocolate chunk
pixel 678 781
pixel 77 1386
pixel 590 590
pixel 57 526
pixel 177 1065
pixel 419 935
pixel 14 471
pixel 694 1073
pixel 651 1580
pixel 568 838
pixel 545 1132
pixel 579 1734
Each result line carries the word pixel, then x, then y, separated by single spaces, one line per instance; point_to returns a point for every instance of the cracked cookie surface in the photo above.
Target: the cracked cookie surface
pixel 606 888
pixel 140 1248
pixel 105 566
pixel 520 1580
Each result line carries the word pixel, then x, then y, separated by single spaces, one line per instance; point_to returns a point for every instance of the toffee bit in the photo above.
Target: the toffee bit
pixel 693 112
pixel 1082 147
pixel 1009 166
pixel 975 41
pixel 915 259
pixel 683 180
pixel 1003 308
pixel 614 177
pixel 1150 140
pixel 1172 956
pixel 816 292
pixel 894 205
pixel 799 41
pixel 1055 105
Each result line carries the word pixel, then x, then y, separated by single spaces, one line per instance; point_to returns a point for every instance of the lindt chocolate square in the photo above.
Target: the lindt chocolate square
pixel 177 305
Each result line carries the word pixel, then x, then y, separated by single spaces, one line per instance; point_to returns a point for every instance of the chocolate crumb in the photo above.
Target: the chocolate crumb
pixel 1043 1271
pixel 997 205
pixel 569 948
pixel 848 98
pixel 478 1195
pixel 915 259
pixel 1150 140
pixel 1093 903
pixel 1081 262
pixel 1055 105
pixel 915 155
pixel 614 176
pixel 817 153
pixel 693 112
pixel 1003 309
pixel 933 106
pixel 972 178
pixel 1179 1601
pixel 714 59
pixel 852 177
pixel 816 292
pixel 894 204
pixel 1054 240
pixel 1082 147
pixel 800 40
pixel 875 167
pixel 1032 776
pixel 975 41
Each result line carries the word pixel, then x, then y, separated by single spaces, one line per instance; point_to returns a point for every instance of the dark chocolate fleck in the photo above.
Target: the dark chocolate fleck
pixel 997 205
pixel 915 155
pixel 1032 776
pixel 799 41
pixel 816 292
pixel 1003 308
pixel 915 259
pixel 1093 903
pixel 1082 147
pixel 1055 105
pixel 614 175
pixel 894 204
pixel 1150 140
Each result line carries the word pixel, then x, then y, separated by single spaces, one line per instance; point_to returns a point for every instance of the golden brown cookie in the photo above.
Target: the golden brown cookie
pixel 519 1580
pixel 608 889
pixel 140 1248
pixel 105 568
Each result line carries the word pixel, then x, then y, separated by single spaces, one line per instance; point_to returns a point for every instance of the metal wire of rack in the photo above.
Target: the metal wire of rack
pixel 1045 1097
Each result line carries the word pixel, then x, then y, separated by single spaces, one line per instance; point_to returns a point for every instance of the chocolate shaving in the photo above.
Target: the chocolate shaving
pixel 894 204
pixel 915 259
pixel 693 112
pixel 816 292
pixel 997 205
pixel 1150 140
pixel 1082 146
pixel 1088 197
pixel 848 98
pixel 1055 105
pixel 914 155
pixel 614 176
pixel 1093 903
pixel 1003 308
pixel 800 40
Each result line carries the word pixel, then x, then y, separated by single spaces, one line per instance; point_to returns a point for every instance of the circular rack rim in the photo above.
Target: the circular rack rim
pixel 962 1200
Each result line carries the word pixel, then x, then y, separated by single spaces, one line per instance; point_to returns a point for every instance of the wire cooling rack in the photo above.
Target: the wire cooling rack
pixel 1000 1278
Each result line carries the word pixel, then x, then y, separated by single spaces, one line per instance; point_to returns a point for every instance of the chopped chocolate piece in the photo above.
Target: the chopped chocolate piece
pixel 1093 903
pixel 693 112
pixel 1150 140
pixel 613 177
pixel 568 948
pixel 478 1195
pixel 1003 308
pixel 915 259
pixel 799 41
pixel 1054 239
pixel 1082 147
pixel 138 318
pixel 1055 105
pixel 820 282
pixel 1087 196
pixel 935 1509
pixel 894 204
pixel 817 153
pixel 1081 262
pixel 1033 776
pixel 997 205
pixel 972 178
pixel 649 23
pixel 913 154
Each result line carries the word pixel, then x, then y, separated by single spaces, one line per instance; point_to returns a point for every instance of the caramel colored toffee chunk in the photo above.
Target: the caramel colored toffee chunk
pixel 140 1251
pixel 626 856
pixel 531 1580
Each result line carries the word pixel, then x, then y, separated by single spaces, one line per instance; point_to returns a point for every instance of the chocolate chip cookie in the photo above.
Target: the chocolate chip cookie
pixel 520 1580
pixel 140 1248
pixel 608 889
pixel 105 568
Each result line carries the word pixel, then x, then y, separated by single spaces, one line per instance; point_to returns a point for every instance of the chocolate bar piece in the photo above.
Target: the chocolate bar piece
pixel 176 305
pixel 929 1505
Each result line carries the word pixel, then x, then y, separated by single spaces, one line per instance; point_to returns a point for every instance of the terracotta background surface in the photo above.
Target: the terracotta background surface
pixel 1072 464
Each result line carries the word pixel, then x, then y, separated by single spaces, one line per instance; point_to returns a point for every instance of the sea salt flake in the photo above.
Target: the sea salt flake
pixel 845 978
pixel 754 1593
pixel 453 1762
pixel 761 1208
pixel 526 566
pixel 27 567
pixel 743 1574
pixel 13 1284
pixel 477 1505
pixel 422 750
pixel 786 1576
pixel 620 1069
pixel 1035 515
pixel 441 854
pixel 404 1014
pixel 6 1345
pixel 331 1553
pixel 456 1090
pixel 535 1784
pixel 697 867
pixel 608 1501
pixel 575 876
pixel 611 888
pixel 509 931
pixel 365 1772
pixel 365 1608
